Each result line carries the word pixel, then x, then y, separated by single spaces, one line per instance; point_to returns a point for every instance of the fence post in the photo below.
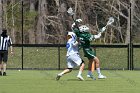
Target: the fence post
pixel 131 43
pixel 132 64
pixel 130 56
pixel 58 57
pixel 22 30
pixel 128 61
pixel 95 55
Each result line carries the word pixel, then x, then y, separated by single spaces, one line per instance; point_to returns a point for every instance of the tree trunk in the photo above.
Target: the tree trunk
pixel 13 22
pixel 38 29
pixel 40 33
pixel 130 18
pixel 111 36
pixel 1 12
pixel 31 30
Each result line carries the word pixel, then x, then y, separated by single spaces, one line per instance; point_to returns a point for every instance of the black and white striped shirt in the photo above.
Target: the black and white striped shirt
pixel 5 42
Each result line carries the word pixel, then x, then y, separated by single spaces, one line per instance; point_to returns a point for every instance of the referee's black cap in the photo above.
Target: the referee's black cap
pixel 4 30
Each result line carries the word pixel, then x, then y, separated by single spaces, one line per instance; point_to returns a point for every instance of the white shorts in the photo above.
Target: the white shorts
pixel 73 60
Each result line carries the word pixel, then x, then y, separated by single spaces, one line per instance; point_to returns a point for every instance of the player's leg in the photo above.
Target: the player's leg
pixel 70 65
pixel 97 62
pixel 0 68
pixel 91 69
pixel 81 70
pixel 5 58
pixel 4 68
pixel 78 62
pixel 81 67
pixel 93 66
pixel 90 55
pixel 97 65
pixel 1 63
pixel 68 70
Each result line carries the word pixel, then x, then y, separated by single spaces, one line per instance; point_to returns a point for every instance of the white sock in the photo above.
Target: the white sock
pixel 89 72
pixel 98 71
pixel 80 72
pixel 4 67
pixel 61 73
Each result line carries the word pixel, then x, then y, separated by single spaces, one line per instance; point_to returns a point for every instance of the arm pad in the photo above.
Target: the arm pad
pixel 97 36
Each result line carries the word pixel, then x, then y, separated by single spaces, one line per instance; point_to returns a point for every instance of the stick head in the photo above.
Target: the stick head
pixel 70 11
pixel 110 21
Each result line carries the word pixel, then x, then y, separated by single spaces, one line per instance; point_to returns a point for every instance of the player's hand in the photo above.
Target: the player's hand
pixel 78 20
pixel 103 29
pixel 72 25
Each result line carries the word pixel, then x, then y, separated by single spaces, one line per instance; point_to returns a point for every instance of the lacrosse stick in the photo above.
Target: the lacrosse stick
pixel 71 13
pixel 109 22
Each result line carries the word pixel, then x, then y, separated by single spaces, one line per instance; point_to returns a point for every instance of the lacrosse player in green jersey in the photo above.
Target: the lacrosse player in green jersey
pixel 85 37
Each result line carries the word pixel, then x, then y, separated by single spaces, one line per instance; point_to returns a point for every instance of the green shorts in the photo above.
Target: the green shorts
pixel 89 53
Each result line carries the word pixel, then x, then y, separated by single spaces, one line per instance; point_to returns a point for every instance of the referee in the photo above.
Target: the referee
pixel 5 42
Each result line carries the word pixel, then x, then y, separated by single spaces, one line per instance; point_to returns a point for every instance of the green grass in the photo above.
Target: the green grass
pixel 43 81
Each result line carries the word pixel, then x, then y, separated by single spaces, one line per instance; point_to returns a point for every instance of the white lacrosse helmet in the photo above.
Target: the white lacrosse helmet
pixel 84 28
pixel 73 35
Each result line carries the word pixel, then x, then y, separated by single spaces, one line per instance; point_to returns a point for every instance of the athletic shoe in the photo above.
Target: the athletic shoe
pixel 101 77
pixel 91 76
pixel 0 73
pixel 80 77
pixel 4 73
pixel 58 77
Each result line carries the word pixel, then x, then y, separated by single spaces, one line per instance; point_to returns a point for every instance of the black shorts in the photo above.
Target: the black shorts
pixel 3 56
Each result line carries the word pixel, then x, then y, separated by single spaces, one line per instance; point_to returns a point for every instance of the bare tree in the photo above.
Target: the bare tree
pixel 13 21
pixel 1 11
pixel 46 21
pixel 31 30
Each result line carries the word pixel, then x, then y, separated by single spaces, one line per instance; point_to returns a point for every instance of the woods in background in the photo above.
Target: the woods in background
pixel 46 21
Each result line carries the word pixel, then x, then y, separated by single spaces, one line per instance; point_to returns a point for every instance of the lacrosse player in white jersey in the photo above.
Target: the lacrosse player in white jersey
pixel 73 58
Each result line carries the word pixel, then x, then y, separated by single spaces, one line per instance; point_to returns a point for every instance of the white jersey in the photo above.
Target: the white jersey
pixel 72 48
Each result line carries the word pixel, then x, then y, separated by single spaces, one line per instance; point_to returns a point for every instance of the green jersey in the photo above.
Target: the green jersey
pixel 85 39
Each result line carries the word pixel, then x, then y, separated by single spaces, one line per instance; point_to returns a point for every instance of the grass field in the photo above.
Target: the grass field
pixel 43 81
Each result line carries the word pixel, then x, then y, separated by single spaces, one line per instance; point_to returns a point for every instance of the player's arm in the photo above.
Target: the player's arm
pixel 92 37
pixel 75 25
pixel 97 36
pixel 10 44
pixel 75 43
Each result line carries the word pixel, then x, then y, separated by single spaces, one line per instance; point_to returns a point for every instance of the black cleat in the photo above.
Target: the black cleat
pixel 4 73
pixel 0 73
